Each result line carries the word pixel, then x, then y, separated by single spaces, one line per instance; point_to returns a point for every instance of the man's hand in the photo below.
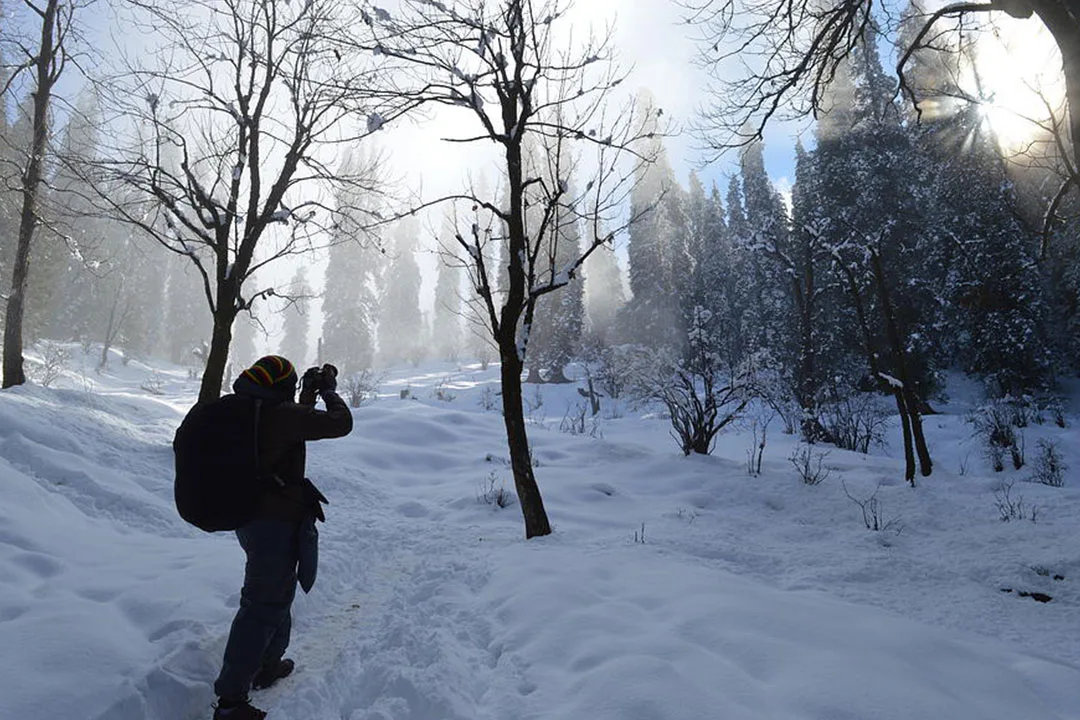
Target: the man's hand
pixel 328 378
pixel 310 380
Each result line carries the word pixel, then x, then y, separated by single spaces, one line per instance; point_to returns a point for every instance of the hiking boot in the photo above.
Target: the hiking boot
pixel 270 674
pixel 238 710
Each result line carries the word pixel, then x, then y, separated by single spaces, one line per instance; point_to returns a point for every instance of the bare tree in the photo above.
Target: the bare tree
pixel 236 120
pixel 499 63
pixel 790 50
pixel 47 62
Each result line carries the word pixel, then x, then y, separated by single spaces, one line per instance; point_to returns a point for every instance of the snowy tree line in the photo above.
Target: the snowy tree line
pixel 905 248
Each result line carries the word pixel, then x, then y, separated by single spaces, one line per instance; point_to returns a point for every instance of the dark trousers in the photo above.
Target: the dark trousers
pixel 260 630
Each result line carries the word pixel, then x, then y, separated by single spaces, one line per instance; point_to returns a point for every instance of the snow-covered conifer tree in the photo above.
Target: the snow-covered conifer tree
pixel 295 320
pixel 447 331
pixel 401 325
pixel 350 294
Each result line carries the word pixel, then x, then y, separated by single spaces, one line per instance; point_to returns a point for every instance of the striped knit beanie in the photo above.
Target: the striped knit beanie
pixel 272 371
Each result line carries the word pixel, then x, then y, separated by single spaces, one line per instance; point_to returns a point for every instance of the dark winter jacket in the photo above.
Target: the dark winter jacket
pixel 284 427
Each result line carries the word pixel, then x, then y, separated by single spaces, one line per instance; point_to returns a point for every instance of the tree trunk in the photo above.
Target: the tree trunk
pixel 875 371
pixel 905 425
pixel 1064 24
pixel 107 340
pixel 218 356
pixel 224 313
pixel 517 303
pixel 31 180
pixel 532 505
pixel 897 347
pixel 805 390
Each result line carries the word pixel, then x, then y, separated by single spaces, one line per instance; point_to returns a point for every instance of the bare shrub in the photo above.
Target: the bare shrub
pixel 855 421
pixel 485 355
pixel 873 512
pixel 577 421
pixel 964 460
pixel 774 389
pixel 810 465
pixel 1049 466
pixel 54 360
pixel 534 407
pixel 487 398
pixel 442 393
pixel 995 424
pixel 1010 509
pixel 759 428
pixel 361 387
pixel 493 491
pixel 699 396
pixel 614 369
pixel 155 384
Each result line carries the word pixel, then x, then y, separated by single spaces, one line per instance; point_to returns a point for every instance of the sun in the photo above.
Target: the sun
pixel 1016 70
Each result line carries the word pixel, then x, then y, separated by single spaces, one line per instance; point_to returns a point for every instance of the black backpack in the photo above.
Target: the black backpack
pixel 218 484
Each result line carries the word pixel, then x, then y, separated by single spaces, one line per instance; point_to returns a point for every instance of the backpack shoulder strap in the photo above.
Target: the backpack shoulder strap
pixel 258 470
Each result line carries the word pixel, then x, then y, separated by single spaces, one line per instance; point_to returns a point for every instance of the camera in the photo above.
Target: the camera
pixel 320 379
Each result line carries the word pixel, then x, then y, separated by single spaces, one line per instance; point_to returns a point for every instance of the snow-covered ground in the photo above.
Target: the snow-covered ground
pixel 672 587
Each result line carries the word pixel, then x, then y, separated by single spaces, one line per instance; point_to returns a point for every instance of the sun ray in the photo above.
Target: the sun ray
pixel 1017 70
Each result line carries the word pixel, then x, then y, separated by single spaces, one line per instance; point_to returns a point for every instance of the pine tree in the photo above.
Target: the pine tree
pixel 350 297
pixel 446 324
pixel 350 287
pixel 186 315
pixel 982 261
pixel 76 286
pixel 401 326
pixel 558 318
pixel 758 284
pixel 819 311
pixel 48 253
pixel 294 343
pixel 872 200
pixel 653 316
pixel 604 294
pixel 242 351
pixel 145 330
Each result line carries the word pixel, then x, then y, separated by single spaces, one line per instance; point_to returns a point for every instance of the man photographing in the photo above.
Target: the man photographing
pixel 281 542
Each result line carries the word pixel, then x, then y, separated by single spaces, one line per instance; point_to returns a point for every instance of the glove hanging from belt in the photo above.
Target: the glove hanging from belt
pixel 314 500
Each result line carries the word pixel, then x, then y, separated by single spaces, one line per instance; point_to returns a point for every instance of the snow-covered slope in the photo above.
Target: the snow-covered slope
pixel 672 587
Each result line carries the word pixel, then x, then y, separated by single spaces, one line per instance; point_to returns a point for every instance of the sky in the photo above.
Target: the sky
pixel 650 38
pixel 656 47
pixel 672 588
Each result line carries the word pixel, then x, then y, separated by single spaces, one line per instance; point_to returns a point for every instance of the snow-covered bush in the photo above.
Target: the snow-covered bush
pixel 809 464
pixel 54 360
pixel 854 421
pixel 155 384
pixel 759 429
pixel 613 369
pixel 701 395
pixel 1049 466
pixel 442 392
pixel 493 492
pixel 995 424
pixel 577 421
pixel 1010 508
pixel 361 386
pixel 773 386
pixel 487 399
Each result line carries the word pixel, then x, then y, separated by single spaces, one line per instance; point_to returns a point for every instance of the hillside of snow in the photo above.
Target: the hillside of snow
pixel 673 588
